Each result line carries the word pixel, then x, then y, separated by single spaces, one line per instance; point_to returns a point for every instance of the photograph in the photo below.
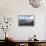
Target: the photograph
pixel 26 20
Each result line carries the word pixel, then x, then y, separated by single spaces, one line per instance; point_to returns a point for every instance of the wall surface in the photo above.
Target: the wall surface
pixel 14 8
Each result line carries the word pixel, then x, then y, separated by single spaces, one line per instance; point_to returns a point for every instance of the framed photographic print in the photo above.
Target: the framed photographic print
pixel 26 20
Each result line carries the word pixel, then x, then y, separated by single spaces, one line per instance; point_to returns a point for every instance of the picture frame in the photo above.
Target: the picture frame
pixel 26 20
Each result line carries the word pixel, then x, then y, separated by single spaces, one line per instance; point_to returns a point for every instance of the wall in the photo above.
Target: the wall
pixel 14 8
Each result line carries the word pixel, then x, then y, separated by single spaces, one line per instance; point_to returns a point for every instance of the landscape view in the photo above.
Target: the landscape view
pixel 26 21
